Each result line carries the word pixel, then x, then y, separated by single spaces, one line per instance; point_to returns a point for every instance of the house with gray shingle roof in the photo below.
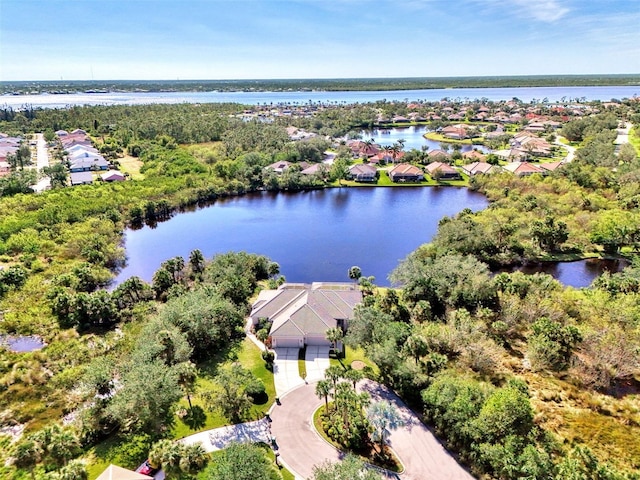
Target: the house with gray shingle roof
pixel 300 314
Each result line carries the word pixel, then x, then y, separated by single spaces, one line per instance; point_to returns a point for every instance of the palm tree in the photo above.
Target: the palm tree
pixel 194 458
pixel 166 454
pixel 383 417
pixel 355 273
pixel 197 263
pixel 187 374
pixel 354 376
pixel 388 150
pixel 28 454
pixel 396 148
pixel 323 389
pixel 333 374
pixel 334 335
pixel 75 470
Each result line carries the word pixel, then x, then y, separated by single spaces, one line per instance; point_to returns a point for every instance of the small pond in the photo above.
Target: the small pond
pixel 577 274
pixel 21 344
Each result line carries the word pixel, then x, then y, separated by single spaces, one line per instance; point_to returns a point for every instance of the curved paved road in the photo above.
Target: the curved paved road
pixel 301 448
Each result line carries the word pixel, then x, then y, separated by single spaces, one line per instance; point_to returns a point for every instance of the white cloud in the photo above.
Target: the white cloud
pixel 542 10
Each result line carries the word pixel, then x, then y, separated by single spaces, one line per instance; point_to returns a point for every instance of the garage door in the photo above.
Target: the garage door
pixel 286 342
pixel 318 340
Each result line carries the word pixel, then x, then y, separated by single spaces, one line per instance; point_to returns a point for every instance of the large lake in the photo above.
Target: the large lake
pixel 317 235
pixel 526 94
pixel 314 236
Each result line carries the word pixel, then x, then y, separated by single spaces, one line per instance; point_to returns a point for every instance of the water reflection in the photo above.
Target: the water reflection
pixel 22 344
pixel 577 274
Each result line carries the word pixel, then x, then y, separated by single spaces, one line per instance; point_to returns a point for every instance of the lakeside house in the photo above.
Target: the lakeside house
pixel 442 171
pixel 363 173
pixel 406 172
pixel 279 167
pixel 300 314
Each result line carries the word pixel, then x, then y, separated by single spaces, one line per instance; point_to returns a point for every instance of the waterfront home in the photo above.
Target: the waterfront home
pixel 442 171
pixel 363 173
pixel 455 132
pixel 363 149
pixel 279 167
pixel 300 314
pixel 313 169
pixel 405 172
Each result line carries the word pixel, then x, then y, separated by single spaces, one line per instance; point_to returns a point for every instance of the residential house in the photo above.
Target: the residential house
pixel 406 172
pixel 5 168
pixel 444 171
pixel 313 169
pixel 551 166
pixel 385 156
pixel 439 156
pixel 474 155
pixel 86 164
pixel 113 176
pixel 364 149
pixel 114 472
pixel 363 173
pixel 301 314
pixel 523 169
pixel 476 168
pixel 81 178
pixel 455 132
pixel 279 167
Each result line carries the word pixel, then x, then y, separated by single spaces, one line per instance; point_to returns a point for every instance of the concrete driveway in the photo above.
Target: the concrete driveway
pixel 316 360
pixel 285 370
pixel 301 447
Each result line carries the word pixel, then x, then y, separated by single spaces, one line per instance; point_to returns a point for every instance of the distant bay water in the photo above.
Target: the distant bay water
pixel 526 94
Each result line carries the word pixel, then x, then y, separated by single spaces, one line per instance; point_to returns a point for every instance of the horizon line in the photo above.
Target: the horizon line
pixel 327 78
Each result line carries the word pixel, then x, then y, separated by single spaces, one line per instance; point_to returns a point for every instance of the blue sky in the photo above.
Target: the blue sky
pixel 239 39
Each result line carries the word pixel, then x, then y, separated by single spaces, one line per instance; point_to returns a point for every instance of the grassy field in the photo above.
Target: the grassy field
pixel 131 165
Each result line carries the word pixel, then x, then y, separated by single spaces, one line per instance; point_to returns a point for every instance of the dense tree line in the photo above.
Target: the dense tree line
pixel 476 352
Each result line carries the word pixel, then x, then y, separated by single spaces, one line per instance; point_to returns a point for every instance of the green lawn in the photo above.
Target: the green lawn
pixel 249 356
pixel 351 354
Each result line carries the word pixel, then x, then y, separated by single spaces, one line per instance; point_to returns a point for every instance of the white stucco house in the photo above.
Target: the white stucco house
pixel 300 313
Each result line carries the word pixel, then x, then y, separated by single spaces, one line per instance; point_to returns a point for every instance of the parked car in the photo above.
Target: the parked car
pixel 147 469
